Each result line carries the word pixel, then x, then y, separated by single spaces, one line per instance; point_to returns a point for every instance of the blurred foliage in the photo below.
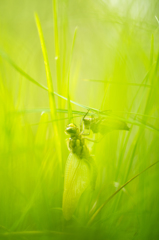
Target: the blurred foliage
pixel 102 55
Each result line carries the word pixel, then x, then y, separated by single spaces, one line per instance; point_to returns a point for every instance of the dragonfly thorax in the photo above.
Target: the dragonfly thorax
pixel 76 143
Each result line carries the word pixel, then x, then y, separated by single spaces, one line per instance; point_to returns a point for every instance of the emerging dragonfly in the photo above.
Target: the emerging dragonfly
pixel 103 125
pixel 80 170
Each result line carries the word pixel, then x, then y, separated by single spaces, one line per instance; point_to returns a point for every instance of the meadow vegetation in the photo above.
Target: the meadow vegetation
pixel 57 60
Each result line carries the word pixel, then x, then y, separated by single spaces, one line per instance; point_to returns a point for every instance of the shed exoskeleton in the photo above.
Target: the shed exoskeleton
pixel 103 125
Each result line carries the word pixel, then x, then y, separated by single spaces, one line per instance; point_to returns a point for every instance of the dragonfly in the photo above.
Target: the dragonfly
pixel 103 125
pixel 80 170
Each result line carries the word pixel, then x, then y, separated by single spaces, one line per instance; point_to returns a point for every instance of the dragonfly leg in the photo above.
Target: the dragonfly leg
pixel 86 134
pixel 82 125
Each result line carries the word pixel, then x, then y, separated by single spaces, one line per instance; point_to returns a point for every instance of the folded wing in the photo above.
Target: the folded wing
pixel 76 180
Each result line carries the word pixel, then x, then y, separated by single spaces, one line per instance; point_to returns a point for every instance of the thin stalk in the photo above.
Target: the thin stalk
pixel 50 88
pixel 68 84
pixel 47 69
pixel 32 233
pixel 57 49
pixel 103 205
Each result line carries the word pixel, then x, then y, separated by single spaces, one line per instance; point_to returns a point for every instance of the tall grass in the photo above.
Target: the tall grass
pixel 116 50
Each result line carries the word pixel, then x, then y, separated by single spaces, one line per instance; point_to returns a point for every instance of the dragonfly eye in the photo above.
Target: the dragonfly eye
pixel 71 129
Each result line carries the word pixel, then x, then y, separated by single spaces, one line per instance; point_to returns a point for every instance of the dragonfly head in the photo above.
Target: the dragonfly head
pixel 72 129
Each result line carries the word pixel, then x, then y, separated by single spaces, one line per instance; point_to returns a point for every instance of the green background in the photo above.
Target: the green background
pixel 102 55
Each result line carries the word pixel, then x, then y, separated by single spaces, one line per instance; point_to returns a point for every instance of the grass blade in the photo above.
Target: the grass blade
pixel 152 50
pixel 103 205
pixel 57 50
pixel 18 69
pixel 33 233
pixel 47 69
pixel 68 84
pixel 119 83
pixel 50 88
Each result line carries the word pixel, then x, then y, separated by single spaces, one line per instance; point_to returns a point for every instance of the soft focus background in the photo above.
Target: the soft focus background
pixel 113 65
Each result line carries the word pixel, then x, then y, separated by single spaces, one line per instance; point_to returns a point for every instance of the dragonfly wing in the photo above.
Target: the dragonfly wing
pixel 93 169
pixel 76 180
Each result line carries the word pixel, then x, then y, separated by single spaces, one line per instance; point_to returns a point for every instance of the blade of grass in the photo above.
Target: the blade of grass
pixel 82 113
pixel 143 82
pixel 48 110
pixel 151 76
pixel 47 68
pixel 136 114
pixel 136 122
pixel 103 205
pixel 152 49
pixel 68 84
pixel 57 50
pixel 75 103
pixel 32 233
pixel 105 95
pixel 131 106
pixel 18 69
pixel 50 87
pixel 24 74
pixel 60 119
pixel 119 83
pixel 151 96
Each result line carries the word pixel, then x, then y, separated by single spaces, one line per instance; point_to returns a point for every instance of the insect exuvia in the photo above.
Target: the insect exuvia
pixel 80 170
pixel 103 125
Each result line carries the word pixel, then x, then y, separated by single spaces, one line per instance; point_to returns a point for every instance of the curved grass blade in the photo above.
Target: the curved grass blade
pixel 58 119
pixel 24 74
pixel 113 117
pixel 136 114
pixel 103 205
pixel 68 84
pixel 39 110
pixel 57 49
pixel 76 180
pixel 119 83
pixel 75 103
pixel 81 113
pixel 47 68
pixel 18 69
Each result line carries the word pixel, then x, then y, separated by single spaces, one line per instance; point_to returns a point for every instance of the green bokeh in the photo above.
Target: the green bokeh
pixel 112 66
